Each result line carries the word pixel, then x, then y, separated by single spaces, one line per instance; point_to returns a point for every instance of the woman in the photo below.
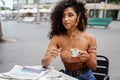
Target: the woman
pixel 68 24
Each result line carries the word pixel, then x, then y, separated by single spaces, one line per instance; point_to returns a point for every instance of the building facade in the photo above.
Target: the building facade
pixel 112 11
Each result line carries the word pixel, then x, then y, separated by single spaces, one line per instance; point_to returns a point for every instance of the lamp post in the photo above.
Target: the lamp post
pixel 38 14
pixel 18 8
pixel 105 8
pixel 0 21
pixel 95 9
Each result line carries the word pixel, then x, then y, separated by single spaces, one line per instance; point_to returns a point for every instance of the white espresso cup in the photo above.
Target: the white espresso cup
pixel 74 52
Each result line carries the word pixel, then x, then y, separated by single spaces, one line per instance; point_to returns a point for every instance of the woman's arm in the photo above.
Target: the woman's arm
pixel 89 56
pixel 91 62
pixel 51 53
pixel 92 51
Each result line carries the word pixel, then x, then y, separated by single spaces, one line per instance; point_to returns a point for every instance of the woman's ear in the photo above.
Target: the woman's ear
pixel 78 18
pixel 77 21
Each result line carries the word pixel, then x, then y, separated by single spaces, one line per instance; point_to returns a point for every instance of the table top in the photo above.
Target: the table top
pixel 51 75
pixel 56 75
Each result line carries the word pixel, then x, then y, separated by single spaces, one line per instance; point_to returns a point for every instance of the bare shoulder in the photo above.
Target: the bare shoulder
pixel 53 42
pixel 55 39
pixel 89 35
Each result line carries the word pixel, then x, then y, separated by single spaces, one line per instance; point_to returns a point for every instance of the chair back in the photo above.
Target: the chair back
pixel 101 73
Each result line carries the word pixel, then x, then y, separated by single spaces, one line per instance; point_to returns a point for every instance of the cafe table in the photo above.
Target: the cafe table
pixel 50 74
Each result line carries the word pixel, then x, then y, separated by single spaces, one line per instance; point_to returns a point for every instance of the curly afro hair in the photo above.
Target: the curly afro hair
pixel 57 27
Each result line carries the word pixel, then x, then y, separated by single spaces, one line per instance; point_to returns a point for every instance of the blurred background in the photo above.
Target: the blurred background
pixel 19 9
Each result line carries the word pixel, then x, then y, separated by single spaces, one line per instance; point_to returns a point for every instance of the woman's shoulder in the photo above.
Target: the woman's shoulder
pixel 57 37
pixel 89 35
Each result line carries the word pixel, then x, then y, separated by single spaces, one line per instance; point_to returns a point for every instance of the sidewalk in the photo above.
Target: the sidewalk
pixel 27 44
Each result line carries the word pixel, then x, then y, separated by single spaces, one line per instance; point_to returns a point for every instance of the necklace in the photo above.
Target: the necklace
pixel 74 36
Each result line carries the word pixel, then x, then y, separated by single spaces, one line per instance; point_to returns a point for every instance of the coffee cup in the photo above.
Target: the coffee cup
pixel 74 52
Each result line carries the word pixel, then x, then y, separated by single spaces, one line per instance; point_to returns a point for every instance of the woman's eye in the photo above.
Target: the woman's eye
pixel 67 15
pixel 70 15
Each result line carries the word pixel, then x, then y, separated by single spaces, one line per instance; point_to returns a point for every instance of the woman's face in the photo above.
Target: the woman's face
pixel 69 18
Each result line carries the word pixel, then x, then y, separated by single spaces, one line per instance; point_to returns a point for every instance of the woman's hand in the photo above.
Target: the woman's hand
pixel 51 54
pixel 54 52
pixel 84 56
pixel 89 59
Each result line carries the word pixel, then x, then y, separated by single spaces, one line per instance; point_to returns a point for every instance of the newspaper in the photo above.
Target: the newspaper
pixel 26 72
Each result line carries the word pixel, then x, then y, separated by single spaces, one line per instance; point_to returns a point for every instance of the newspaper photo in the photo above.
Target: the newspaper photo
pixel 26 72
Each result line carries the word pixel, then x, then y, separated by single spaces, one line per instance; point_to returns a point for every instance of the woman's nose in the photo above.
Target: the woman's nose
pixel 66 18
